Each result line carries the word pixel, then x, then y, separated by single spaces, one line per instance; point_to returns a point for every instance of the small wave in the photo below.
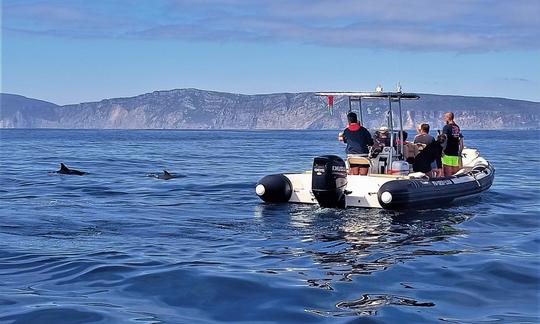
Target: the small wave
pixel 106 275
pixel 54 315
pixel 102 192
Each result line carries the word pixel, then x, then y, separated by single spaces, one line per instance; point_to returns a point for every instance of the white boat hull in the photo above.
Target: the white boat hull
pixel 402 191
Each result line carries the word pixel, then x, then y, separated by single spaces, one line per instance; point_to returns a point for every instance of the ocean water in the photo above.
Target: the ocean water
pixel 118 246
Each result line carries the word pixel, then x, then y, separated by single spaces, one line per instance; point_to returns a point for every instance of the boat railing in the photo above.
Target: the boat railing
pixel 391 97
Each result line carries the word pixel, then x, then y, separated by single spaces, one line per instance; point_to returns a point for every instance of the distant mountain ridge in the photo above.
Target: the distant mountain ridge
pixel 201 109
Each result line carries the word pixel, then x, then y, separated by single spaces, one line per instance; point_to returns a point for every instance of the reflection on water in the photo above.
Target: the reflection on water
pixel 357 242
pixel 367 305
pixel 117 246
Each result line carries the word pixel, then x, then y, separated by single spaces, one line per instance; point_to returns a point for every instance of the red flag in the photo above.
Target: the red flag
pixel 330 101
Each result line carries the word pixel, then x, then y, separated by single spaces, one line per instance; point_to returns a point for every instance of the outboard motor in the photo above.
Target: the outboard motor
pixel 275 188
pixel 328 181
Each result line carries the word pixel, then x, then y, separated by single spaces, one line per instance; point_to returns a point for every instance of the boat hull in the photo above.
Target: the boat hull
pixel 394 192
pixel 420 194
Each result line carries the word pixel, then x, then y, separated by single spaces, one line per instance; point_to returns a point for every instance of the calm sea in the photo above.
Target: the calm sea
pixel 118 246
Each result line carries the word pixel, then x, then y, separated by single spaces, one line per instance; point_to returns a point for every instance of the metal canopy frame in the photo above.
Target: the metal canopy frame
pixel 391 97
pixel 371 95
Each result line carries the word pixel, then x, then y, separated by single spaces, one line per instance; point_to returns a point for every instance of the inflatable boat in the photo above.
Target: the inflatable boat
pixel 389 184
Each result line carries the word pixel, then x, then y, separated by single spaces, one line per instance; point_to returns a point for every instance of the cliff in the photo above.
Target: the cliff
pixel 199 109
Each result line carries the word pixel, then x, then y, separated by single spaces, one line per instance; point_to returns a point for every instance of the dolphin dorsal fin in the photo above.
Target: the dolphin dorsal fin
pixel 166 173
pixel 63 167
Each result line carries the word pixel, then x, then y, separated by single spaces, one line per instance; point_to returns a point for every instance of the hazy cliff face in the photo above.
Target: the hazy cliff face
pixel 197 109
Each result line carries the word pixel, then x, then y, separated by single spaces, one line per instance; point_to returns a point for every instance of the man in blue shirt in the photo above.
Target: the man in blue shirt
pixel 357 139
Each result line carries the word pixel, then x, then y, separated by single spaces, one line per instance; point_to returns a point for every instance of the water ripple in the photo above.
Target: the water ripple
pixel 117 246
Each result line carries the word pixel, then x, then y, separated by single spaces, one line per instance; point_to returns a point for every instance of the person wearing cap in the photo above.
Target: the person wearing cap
pixel 381 139
pixel 357 139
pixel 382 136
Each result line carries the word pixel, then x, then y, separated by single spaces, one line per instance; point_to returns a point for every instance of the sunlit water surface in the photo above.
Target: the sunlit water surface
pixel 118 246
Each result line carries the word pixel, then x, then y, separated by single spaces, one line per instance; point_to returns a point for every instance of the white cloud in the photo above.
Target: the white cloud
pixel 455 25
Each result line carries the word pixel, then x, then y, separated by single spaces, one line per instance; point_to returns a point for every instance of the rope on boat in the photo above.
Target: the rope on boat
pixel 474 177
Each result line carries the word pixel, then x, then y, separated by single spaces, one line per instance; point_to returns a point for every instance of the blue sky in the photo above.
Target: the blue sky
pixel 79 50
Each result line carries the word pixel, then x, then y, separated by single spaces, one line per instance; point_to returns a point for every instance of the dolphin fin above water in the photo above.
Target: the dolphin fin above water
pixel 65 170
pixel 165 175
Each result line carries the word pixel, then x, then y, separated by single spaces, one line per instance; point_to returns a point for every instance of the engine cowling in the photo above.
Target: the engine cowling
pixel 328 181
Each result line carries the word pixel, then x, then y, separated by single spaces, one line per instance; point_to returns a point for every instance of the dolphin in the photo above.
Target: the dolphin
pixel 65 170
pixel 165 175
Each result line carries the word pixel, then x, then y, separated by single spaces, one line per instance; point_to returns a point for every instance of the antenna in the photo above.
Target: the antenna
pixel 398 87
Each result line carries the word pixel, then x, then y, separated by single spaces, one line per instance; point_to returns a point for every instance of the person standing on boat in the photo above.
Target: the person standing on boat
pixel 424 139
pixel 453 146
pixel 428 160
pixel 423 136
pixel 357 139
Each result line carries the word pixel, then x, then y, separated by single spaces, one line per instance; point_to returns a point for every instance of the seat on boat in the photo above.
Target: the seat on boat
pixel 358 160
pixel 359 163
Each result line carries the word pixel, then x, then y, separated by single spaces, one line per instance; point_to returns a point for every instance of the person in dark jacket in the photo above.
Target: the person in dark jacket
pixel 357 139
pixel 451 159
pixel 424 139
pixel 431 153
pixel 382 137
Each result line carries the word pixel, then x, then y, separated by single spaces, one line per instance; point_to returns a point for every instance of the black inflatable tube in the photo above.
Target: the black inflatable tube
pixel 277 188
pixel 421 194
